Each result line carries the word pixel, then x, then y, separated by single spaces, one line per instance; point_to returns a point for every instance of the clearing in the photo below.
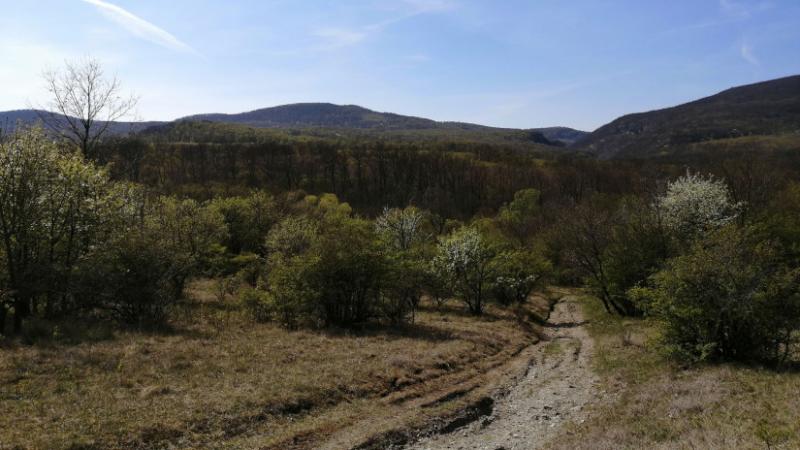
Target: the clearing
pixel 218 379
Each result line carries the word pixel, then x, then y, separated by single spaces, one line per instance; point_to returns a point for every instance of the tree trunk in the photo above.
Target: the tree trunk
pixel 21 308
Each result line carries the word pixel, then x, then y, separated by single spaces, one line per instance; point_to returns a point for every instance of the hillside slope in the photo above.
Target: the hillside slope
pixel 352 117
pixel 9 120
pixel 761 109
pixel 316 118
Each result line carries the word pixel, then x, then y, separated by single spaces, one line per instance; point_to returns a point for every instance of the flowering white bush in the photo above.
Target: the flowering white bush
pixel 464 258
pixel 694 204
pixel 402 227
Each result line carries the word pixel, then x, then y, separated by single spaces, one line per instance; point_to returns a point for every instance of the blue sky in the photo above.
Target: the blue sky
pixel 514 63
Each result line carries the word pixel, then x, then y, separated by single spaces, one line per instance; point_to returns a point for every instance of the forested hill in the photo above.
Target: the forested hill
pixel 326 119
pixel 10 119
pixel 768 108
pixel 327 115
pixel 353 117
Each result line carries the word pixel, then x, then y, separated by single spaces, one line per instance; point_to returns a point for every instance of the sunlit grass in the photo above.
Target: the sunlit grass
pixel 648 401
pixel 219 377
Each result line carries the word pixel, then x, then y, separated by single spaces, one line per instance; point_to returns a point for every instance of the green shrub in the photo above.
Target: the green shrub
pixel 729 297
pixel 248 220
pixel 326 268
pixel 258 303
pixel 135 279
pixel 518 273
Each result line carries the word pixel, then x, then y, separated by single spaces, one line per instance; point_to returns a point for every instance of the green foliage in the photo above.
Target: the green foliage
pixel 326 267
pixel 258 303
pixel 637 249
pixel 248 220
pixel 349 271
pixel 74 241
pixel 187 228
pixel 615 247
pixel 135 278
pixel 518 219
pixel 728 297
pixel 518 272
pixel 54 207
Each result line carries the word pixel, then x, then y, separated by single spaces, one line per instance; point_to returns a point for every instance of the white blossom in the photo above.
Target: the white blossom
pixel 695 204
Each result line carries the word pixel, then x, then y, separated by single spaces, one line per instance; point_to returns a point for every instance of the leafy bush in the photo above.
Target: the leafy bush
pixel 405 281
pixel 188 228
pixel 326 268
pixel 136 279
pixel 728 297
pixel 248 220
pixel 518 273
pixel 258 303
pixel 54 207
pixel 518 219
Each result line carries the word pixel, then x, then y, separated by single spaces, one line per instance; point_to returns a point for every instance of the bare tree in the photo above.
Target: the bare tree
pixel 84 103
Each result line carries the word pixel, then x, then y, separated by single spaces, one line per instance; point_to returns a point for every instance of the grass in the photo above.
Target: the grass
pixel 219 378
pixel 650 402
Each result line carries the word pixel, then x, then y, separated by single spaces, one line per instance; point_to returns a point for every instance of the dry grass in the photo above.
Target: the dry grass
pixel 218 377
pixel 650 403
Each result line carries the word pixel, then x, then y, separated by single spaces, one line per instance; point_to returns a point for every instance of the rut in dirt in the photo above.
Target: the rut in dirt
pixel 556 389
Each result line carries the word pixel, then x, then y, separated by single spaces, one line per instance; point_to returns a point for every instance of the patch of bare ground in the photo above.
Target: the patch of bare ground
pixel 219 380
pixel 527 411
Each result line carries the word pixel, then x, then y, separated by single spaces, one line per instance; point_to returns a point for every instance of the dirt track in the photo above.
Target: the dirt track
pixel 555 390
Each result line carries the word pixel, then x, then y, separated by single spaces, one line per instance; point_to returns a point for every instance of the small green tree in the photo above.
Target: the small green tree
pixel 188 228
pixel 248 219
pixel 53 209
pixel 518 219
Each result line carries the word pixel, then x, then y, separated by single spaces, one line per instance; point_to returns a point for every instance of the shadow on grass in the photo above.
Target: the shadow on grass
pixel 409 331
pixel 72 331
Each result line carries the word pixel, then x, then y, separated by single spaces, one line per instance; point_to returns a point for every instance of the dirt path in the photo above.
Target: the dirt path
pixel 556 389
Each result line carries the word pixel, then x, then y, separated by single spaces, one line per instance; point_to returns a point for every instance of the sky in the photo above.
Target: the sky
pixel 508 63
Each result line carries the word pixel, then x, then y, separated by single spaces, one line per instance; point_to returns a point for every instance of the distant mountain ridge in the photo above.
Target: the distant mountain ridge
pixel 328 115
pixel 765 108
pixel 10 119
pixel 325 115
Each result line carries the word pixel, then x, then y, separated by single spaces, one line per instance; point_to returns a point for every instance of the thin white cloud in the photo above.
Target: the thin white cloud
pixel 140 27
pixel 748 54
pixel 424 6
pixel 739 9
pixel 342 37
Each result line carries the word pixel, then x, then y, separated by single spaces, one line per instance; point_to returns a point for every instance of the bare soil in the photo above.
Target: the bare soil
pixel 526 413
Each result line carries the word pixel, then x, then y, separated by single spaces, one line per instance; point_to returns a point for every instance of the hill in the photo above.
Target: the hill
pixel 10 119
pixel 357 118
pixel 326 119
pixel 763 109
pixel 327 115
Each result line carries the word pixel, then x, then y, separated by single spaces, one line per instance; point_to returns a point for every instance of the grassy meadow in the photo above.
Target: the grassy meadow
pixel 217 377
